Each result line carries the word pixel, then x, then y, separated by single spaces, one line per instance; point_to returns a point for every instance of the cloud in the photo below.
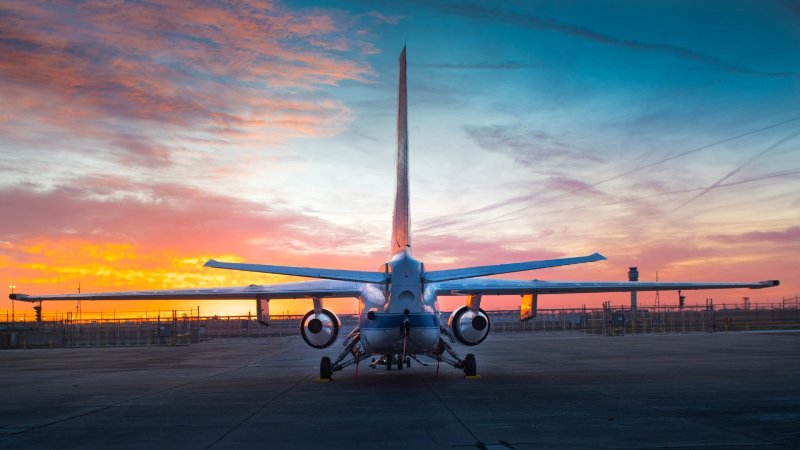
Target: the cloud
pixel 565 184
pixel 741 166
pixel 505 65
pixel 183 219
pixel 114 234
pixel 448 251
pixel 494 15
pixel 98 71
pixel 528 148
pixel 789 235
pixel 684 153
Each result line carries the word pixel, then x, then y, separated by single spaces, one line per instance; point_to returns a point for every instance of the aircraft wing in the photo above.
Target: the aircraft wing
pixel 308 272
pixel 306 289
pixel 490 286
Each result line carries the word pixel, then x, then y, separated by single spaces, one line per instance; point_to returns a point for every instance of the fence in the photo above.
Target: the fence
pixel 184 329
pixel 660 319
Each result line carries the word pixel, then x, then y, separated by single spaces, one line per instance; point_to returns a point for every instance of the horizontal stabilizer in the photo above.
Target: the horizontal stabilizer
pixel 482 271
pixel 308 272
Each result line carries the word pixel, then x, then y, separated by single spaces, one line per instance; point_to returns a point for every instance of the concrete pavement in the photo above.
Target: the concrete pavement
pixel 536 390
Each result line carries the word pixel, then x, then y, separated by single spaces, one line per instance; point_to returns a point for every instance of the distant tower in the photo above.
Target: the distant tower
pixel 633 275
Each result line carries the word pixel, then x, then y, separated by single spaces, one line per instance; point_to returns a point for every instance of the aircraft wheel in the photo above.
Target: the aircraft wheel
pixel 408 361
pixel 325 368
pixel 388 362
pixel 399 362
pixel 470 367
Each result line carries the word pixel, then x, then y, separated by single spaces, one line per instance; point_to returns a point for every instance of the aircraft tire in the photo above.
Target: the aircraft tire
pixel 399 362
pixel 470 366
pixel 408 361
pixel 388 362
pixel 325 369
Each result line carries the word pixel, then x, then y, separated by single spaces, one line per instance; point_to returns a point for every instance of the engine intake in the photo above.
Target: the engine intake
pixel 320 330
pixel 468 327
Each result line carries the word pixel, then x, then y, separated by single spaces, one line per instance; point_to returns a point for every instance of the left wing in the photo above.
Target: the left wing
pixel 308 272
pixel 306 289
pixel 490 286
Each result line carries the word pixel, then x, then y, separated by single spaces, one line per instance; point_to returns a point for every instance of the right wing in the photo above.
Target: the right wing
pixel 306 289
pixel 492 286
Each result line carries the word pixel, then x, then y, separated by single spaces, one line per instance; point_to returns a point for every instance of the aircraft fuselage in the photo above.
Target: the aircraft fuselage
pixel 399 317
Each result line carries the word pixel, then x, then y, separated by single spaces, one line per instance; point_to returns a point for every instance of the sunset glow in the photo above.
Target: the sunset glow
pixel 139 140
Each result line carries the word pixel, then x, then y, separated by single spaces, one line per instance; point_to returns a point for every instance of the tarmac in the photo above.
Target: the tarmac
pixel 537 390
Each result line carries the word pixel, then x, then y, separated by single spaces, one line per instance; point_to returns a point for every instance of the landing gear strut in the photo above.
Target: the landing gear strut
pixel 447 354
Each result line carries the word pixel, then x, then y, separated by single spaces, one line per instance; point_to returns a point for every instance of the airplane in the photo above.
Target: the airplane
pixel 400 318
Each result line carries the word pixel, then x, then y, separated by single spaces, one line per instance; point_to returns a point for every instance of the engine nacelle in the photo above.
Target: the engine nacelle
pixel 468 327
pixel 320 330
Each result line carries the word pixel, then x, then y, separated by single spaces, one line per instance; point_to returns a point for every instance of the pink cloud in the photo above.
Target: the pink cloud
pixel 789 235
pixel 449 251
pixel 184 219
pixel 94 71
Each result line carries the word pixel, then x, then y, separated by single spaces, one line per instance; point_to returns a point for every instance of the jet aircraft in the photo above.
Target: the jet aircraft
pixel 400 318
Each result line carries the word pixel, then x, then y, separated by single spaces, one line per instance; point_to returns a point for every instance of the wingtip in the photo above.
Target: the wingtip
pixel 767 284
pixel 210 263
pixel 599 256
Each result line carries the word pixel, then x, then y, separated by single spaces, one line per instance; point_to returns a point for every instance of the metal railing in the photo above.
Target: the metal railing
pixel 182 328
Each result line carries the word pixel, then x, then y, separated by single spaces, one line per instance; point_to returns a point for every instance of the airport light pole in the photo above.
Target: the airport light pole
pixel 12 287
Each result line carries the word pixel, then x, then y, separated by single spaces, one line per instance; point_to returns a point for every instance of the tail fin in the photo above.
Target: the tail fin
pixel 400 234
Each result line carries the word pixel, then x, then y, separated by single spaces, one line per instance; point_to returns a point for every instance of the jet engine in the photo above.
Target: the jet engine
pixel 468 327
pixel 319 330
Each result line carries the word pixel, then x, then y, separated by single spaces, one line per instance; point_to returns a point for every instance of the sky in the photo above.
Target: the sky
pixel 140 139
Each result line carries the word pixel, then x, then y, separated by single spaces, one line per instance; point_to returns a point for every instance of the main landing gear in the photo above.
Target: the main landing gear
pixel 351 348
pixel 325 368
pixel 445 353
pixel 470 367
pixel 353 354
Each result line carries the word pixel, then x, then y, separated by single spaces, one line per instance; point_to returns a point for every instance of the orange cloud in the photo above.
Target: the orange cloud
pixel 111 234
pixel 58 266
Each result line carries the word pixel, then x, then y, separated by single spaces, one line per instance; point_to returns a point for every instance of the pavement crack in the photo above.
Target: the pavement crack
pixel 478 442
pixel 257 411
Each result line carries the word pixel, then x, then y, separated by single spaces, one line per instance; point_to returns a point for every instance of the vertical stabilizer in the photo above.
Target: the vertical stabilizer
pixel 400 235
